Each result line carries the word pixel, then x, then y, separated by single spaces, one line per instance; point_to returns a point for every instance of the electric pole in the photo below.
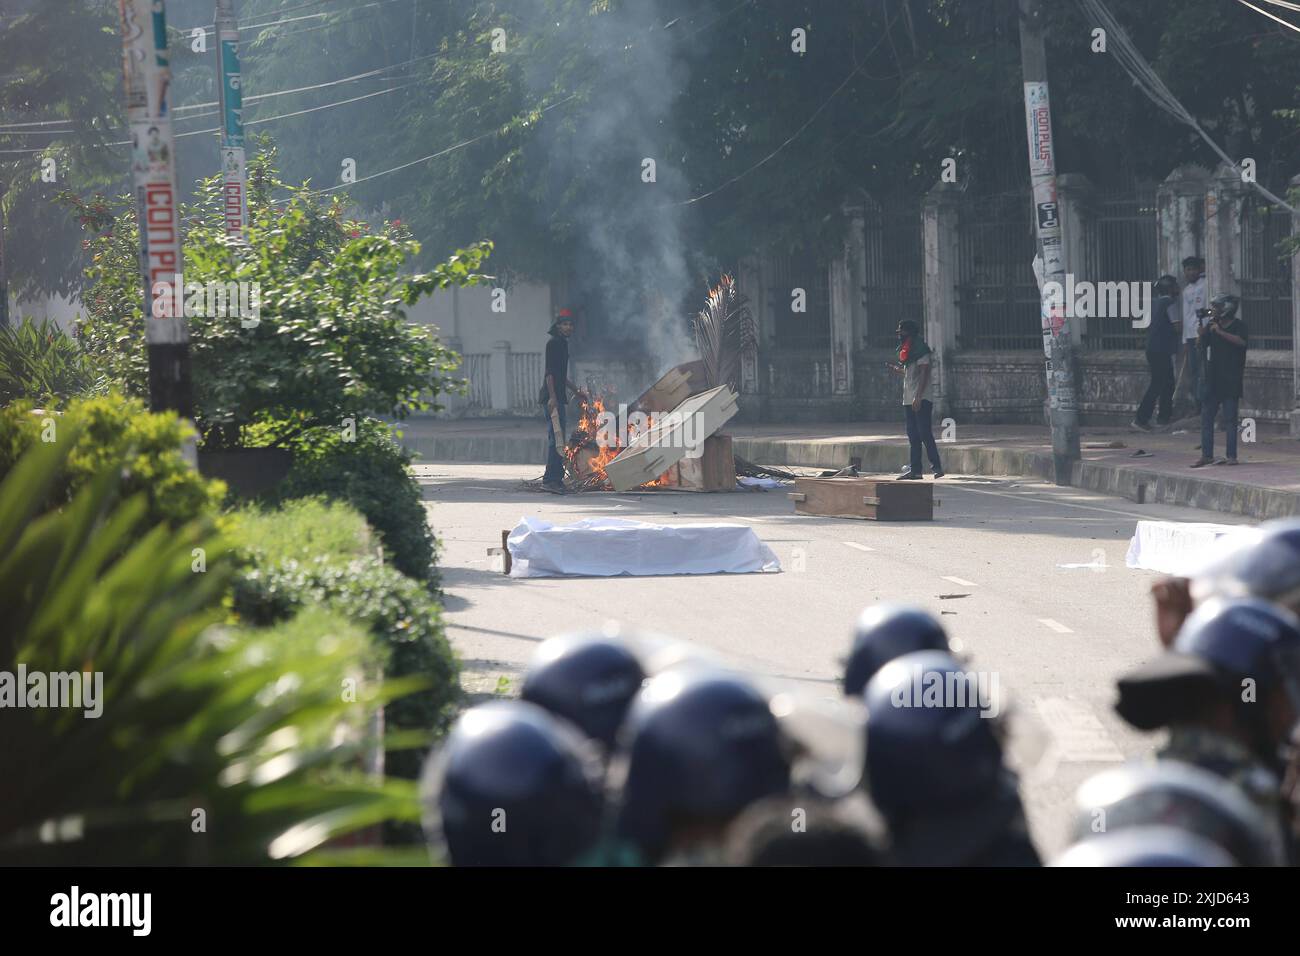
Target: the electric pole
pixel 231 96
pixel 147 78
pixel 1058 343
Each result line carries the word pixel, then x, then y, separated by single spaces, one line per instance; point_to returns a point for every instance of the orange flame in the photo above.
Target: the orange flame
pixel 587 457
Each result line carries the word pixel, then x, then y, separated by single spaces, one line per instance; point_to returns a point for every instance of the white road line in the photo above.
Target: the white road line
pixel 1057 626
pixel 860 547
pixel 1052 501
pixel 1076 732
pixel 962 581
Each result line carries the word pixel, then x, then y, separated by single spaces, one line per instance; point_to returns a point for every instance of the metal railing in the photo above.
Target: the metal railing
pixel 477 368
pixel 1266 276
pixel 1124 250
pixel 996 290
pixel 526 379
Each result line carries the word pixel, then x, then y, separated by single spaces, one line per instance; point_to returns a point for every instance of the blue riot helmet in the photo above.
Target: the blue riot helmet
pixel 884 632
pixel 588 679
pixel 698 746
pixel 512 785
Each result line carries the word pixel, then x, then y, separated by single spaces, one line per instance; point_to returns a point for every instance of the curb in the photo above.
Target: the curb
pixel 1135 484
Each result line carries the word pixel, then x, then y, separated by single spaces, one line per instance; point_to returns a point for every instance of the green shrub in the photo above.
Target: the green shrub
pixel 41 362
pixel 243 732
pixel 113 429
pixel 371 474
pixel 400 614
pixel 301 530
pixel 330 338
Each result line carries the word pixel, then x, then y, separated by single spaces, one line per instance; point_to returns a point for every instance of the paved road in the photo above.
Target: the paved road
pixel 1054 637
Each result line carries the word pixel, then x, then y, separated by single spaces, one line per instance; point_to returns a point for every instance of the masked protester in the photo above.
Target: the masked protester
pixel 555 397
pixel 913 360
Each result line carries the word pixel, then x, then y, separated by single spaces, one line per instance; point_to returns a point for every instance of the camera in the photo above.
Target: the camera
pixel 1204 313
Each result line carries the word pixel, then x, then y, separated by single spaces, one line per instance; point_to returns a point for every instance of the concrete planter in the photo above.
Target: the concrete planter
pixel 248 471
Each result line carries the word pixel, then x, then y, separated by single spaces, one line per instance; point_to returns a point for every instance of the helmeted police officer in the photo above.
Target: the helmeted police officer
pixel 512 786
pixel 1176 794
pixel 699 745
pixel 588 679
pixel 884 632
pixel 1148 846
pixel 935 768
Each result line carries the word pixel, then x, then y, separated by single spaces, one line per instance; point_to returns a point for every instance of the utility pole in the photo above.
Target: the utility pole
pixel 232 122
pixel 1058 343
pixel 147 77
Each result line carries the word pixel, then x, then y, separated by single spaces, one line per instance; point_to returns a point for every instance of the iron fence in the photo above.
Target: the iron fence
pixel 895 271
pixel 1124 249
pixel 526 380
pixel 1266 276
pixel 996 290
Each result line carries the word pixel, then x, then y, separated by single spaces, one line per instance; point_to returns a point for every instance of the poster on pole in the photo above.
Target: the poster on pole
pixel 147 78
pixel 1038 119
pixel 234 189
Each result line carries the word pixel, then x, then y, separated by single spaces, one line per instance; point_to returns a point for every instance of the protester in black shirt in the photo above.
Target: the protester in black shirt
pixel 555 397
pixel 1223 342
pixel 1162 346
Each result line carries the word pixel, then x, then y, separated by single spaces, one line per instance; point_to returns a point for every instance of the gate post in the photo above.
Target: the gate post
pixel 939 232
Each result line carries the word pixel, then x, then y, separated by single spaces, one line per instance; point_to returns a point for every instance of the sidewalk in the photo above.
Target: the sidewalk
pixel 1265 485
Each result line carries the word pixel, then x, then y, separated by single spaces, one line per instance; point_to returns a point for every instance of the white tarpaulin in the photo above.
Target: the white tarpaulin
pixel 1177 547
pixel 602 547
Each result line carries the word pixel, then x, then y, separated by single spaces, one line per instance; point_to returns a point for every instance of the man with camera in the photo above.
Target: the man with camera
pixel 1222 343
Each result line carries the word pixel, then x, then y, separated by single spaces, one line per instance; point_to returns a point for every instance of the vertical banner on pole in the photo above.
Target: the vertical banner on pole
pixel 232 123
pixel 147 78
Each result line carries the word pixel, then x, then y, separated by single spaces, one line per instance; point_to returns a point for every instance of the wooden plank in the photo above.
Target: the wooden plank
pixel 663 445
pixel 869 498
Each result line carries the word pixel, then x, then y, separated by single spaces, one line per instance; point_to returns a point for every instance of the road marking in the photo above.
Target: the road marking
pixel 860 547
pixel 1076 732
pixel 1057 626
pixel 962 581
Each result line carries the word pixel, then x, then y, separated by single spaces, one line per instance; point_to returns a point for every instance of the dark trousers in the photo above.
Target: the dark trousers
pixel 1161 389
pixel 1209 408
pixel 554 463
pixel 919 432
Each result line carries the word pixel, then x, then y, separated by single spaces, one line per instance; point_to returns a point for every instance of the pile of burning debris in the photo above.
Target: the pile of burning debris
pixel 669 437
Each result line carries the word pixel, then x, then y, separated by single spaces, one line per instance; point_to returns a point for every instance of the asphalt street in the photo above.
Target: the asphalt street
pixel 1029 580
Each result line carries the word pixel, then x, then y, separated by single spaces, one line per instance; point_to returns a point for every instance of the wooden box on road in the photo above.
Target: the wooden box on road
pixel 875 499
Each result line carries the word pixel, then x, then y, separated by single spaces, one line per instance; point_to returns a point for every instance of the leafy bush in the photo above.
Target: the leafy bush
pixel 41 362
pixel 109 430
pixel 305 556
pixel 371 475
pixel 211 745
pixel 331 338
pixel 301 530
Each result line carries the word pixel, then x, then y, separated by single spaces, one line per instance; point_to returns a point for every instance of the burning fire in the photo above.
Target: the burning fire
pixel 587 459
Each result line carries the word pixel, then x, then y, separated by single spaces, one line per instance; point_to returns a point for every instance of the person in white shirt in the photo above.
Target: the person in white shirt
pixel 1194 299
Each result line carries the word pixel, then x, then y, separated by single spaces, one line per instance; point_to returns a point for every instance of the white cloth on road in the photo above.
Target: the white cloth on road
pixel 603 547
pixel 1179 547
pixel 762 484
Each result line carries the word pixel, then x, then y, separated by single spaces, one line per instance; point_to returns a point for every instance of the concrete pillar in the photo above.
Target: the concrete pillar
pixel 1223 205
pixel 1295 317
pixel 841 307
pixel 1180 218
pixel 499 377
pixel 939 226
pixel 1074 196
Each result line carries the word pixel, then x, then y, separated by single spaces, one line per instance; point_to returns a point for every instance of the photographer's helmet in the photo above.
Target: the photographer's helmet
pixel 1146 846
pixel 1225 305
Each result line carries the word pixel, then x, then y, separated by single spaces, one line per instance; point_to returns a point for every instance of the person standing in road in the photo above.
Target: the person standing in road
pixel 914 362
pixel 1223 342
pixel 1162 346
pixel 1194 302
pixel 555 397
